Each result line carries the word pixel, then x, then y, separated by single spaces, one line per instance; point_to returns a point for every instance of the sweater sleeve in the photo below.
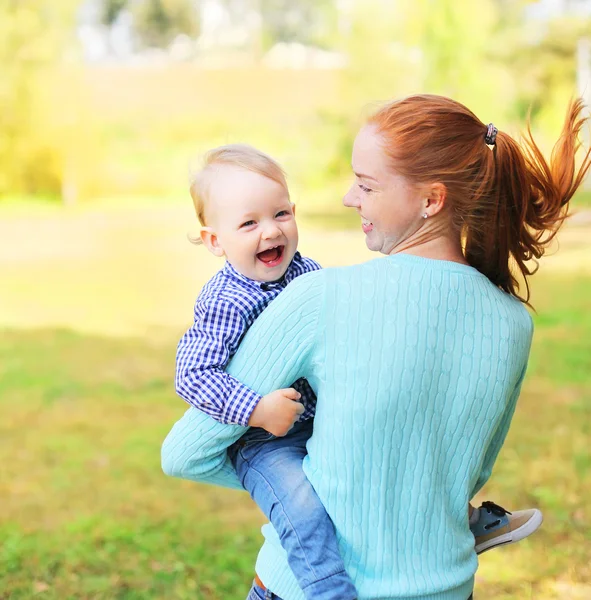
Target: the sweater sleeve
pixel 195 449
pixel 276 351
pixel 498 438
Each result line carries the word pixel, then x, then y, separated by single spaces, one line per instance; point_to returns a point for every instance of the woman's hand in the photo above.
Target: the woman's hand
pixel 277 412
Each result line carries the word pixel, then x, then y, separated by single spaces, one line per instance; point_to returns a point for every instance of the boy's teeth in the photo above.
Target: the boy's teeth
pixel 271 254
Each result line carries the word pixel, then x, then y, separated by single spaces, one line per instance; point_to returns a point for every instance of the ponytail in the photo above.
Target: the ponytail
pixel 508 203
pixel 528 204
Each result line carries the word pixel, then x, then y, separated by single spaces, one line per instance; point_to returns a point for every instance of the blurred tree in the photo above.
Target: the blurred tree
pixel 33 38
pixel 420 46
pixel 306 21
pixel 458 42
pixel 111 10
pixel 313 22
pixel 380 67
pixel 156 22
pixel 545 66
pixel 540 52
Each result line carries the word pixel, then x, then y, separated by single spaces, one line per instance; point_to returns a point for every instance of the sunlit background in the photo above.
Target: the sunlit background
pixel 105 106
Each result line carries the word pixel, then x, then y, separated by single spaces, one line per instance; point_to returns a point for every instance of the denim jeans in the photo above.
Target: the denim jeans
pixel 258 593
pixel 270 468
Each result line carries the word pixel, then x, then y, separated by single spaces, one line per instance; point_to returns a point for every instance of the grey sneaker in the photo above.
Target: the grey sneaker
pixel 496 526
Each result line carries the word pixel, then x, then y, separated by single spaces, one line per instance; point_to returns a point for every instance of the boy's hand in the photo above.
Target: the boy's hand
pixel 277 412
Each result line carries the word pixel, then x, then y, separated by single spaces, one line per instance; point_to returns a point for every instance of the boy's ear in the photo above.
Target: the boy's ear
pixel 293 207
pixel 210 241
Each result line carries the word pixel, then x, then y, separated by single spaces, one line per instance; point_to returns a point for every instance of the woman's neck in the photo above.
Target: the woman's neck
pixel 435 243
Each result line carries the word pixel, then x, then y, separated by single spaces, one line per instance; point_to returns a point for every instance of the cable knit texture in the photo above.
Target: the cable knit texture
pixel 417 365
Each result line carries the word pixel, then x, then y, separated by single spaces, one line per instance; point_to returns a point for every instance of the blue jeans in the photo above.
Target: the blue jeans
pixel 257 593
pixel 270 468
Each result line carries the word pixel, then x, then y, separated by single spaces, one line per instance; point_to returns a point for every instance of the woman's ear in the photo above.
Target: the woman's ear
pixel 210 241
pixel 436 197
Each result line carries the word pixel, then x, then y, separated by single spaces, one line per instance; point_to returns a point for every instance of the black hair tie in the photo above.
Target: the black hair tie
pixel 491 134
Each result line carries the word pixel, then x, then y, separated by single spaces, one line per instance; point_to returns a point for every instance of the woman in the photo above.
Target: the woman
pixel 417 358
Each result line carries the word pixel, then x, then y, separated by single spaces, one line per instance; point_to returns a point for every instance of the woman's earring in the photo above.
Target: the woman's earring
pixel 425 215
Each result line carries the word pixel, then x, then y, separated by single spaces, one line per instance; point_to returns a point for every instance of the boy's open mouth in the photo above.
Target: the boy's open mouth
pixel 271 257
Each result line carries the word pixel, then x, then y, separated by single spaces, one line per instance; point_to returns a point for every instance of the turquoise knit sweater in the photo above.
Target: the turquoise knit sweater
pixel 417 364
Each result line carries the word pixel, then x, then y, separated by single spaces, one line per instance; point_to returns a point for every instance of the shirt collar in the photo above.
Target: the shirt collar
pixel 288 276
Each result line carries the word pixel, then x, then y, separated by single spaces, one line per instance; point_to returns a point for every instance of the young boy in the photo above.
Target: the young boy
pixel 243 204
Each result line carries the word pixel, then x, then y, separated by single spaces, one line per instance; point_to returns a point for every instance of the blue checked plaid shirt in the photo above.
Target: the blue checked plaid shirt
pixel 225 309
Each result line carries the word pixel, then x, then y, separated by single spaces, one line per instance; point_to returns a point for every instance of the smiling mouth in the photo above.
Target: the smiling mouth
pixel 366 225
pixel 272 256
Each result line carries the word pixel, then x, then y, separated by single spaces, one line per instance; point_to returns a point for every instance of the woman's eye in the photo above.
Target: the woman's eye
pixel 364 188
pixel 247 224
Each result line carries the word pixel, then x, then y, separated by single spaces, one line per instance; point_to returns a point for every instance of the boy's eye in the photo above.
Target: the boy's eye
pixel 282 213
pixel 247 224
pixel 364 188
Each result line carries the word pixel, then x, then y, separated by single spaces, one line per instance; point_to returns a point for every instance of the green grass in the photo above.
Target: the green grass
pixel 86 512
pixel 563 330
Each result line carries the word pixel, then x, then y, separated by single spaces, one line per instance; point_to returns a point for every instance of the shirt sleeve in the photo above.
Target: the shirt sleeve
pixel 310 265
pixel 277 350
pixel 202 355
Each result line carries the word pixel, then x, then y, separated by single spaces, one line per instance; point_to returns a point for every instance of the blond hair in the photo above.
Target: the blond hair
pixel 237 155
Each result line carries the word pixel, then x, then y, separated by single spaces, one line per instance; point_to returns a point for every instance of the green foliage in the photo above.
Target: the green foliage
pixel 44 124
pixel 306 21
pixel 85 132
pixel 543 58
pixel 158 22
pixel 484 54
pixel 420 47
pixel 437 28
pixel 111 10
pixel 32 37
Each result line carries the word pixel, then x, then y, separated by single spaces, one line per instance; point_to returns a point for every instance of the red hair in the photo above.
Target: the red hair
pixel 507 203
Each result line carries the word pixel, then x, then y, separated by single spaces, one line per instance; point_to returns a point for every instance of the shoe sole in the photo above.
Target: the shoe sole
pixel 513 536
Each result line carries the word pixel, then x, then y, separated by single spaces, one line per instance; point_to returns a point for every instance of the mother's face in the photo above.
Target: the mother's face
pixel 390 208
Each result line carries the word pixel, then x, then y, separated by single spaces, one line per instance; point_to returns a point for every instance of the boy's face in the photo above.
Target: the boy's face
pixel 251 223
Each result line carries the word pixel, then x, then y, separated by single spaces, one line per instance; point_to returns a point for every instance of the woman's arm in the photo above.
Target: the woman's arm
pixel 498 438
pixel 195 449
pixel 276 351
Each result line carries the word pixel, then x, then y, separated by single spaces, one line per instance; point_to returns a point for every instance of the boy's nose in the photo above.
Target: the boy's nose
pixel 271 231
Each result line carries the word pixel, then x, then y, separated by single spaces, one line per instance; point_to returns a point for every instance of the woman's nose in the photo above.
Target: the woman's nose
pixel 350 199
